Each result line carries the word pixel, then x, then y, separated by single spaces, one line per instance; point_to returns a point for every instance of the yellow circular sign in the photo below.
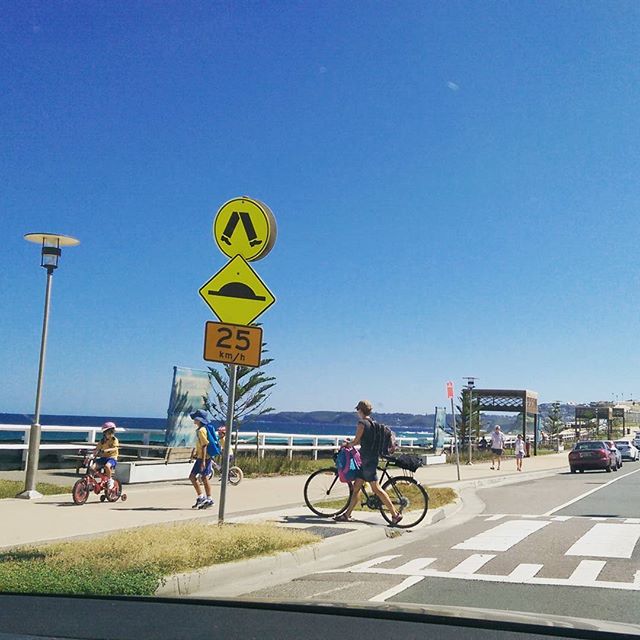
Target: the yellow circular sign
pixel 245 227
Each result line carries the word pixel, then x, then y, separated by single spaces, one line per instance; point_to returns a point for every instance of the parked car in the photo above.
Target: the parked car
pixel 628 450
pixel 592 454
pixel 616 453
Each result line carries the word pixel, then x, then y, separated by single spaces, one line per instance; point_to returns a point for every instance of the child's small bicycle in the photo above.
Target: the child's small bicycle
pixel 235 473
pixel 95 480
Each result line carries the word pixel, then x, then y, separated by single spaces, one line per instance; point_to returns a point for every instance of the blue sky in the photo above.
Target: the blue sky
pixel 455 184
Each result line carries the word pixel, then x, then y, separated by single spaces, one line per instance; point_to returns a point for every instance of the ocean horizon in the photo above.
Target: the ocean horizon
pixel 158 425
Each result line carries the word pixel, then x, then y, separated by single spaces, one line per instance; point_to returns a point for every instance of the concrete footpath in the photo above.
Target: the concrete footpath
pixel 56 517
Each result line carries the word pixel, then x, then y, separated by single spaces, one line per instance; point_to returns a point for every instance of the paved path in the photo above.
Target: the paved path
pixel 564 544
pixel 56 517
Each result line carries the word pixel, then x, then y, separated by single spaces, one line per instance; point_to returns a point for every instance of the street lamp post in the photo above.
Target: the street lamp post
pixel 50 254
pixel 471 383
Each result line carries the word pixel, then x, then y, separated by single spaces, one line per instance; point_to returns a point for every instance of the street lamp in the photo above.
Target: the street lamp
pixel 51 251
pixel 471 383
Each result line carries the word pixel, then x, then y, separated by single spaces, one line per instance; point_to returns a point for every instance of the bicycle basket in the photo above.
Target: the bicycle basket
pixel 407 462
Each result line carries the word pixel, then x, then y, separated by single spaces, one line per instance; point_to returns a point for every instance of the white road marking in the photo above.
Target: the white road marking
pixel 414 565
pixel 632 521
pixel 498 516
pixel 405 584
pixel 473 563
pixel 584 576
pixel 328 591
pixel 561 518
pixel 502 537
pixel 588 493
pixel 369 563
pixel 598 518
pixel 524 572
pixel 607 541
pixel 586 572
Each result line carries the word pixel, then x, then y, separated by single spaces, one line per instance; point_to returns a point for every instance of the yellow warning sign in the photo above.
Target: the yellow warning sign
pixel 236 294
pixel 245 227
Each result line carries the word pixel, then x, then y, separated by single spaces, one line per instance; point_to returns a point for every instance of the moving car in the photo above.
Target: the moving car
pixel 628 450
pixel 592 454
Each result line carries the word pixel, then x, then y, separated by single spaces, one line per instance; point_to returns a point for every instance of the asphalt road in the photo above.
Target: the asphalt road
pixel 562 545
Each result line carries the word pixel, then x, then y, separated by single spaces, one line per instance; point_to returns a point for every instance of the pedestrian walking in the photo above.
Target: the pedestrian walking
pixel 519 452
pixel 365 437
pixel 202 467
pixel 497 447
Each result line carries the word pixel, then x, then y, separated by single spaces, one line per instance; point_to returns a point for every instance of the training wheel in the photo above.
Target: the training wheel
pixel 103 498
pixel 123 497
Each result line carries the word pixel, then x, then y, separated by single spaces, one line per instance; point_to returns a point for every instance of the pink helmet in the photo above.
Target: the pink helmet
pixel 108 425
pixel 222 430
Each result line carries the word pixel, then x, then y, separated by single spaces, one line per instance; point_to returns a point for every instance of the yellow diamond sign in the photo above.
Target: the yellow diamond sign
pixel 236 294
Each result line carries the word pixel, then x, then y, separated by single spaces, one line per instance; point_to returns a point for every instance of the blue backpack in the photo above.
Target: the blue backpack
pixel 213 448
pixel 348 464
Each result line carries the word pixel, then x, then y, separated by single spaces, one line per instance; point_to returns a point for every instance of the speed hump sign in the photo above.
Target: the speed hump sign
pixel 232 344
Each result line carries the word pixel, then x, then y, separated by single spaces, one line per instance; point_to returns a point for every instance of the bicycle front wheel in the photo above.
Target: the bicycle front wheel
pixel 409 498
pixel 325 495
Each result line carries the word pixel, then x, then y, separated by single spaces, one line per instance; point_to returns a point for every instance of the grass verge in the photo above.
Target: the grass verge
pixel 275 465
pixel 134 562
pixel 11 488
pixel 438 497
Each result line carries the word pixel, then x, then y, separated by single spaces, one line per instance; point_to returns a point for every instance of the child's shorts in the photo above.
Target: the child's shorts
pixel 201 467
pixel 103 462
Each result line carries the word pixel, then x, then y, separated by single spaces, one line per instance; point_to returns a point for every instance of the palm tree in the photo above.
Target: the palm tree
pixel 253 390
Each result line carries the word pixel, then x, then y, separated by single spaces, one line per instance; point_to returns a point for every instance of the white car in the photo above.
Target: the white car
pixel 628 450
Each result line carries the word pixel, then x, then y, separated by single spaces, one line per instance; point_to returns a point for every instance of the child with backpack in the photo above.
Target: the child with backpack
pixel 206 444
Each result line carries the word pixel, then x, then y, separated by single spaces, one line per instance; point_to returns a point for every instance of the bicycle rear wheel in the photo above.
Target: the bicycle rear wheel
pixel 409 498
pixel 325 495
pixel 235 475
pixel 115 492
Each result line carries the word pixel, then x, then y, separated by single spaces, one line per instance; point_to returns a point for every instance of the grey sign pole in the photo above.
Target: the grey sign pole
pixel 231 403
pixel 34 433
pixel 455 437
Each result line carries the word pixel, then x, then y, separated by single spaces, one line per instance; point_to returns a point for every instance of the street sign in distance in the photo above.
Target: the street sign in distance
pixel 449 389
pixel 236 294
pixel 232 344
pixel 245 227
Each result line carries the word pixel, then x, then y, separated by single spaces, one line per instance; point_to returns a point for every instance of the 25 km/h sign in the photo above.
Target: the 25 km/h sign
pixel 245 227
pixel 236 294
pixel 232 344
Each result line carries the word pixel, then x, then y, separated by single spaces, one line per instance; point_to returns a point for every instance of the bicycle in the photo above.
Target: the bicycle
pixel 327 497
pixel 235 476
pixel 96 481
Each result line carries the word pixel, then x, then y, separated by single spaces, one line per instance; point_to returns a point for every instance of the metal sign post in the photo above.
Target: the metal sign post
pixel 245 231
pixel 450 393
pixel 231 403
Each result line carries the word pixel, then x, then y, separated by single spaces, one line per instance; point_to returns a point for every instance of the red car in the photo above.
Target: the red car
pixel 592 454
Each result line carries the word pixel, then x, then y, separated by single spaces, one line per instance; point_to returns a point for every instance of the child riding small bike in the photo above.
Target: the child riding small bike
pixel 98 476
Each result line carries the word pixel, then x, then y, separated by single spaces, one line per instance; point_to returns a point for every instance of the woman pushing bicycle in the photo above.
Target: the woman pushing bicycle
pixel 369 455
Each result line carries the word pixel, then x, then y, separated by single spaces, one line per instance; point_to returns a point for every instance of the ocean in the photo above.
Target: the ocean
pixel 157 427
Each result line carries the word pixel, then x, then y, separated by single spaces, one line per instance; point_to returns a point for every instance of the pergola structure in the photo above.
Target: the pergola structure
pixel 586 413
pixel 508 401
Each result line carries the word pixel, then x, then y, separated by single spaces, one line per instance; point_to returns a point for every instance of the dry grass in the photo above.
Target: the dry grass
pixel 11 488
pixel 134 562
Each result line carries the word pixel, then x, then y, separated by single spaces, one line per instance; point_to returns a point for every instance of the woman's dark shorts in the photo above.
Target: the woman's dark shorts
pixel 368 469
pixel 497 452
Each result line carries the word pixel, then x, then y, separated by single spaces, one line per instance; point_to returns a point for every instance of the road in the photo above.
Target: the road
pixel 563 545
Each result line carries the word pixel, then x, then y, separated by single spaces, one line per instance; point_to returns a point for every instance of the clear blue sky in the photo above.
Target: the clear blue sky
pixel 455 183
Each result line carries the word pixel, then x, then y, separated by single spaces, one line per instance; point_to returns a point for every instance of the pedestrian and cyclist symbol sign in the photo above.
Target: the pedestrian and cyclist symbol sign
pixel 245 227
pixel 236 294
